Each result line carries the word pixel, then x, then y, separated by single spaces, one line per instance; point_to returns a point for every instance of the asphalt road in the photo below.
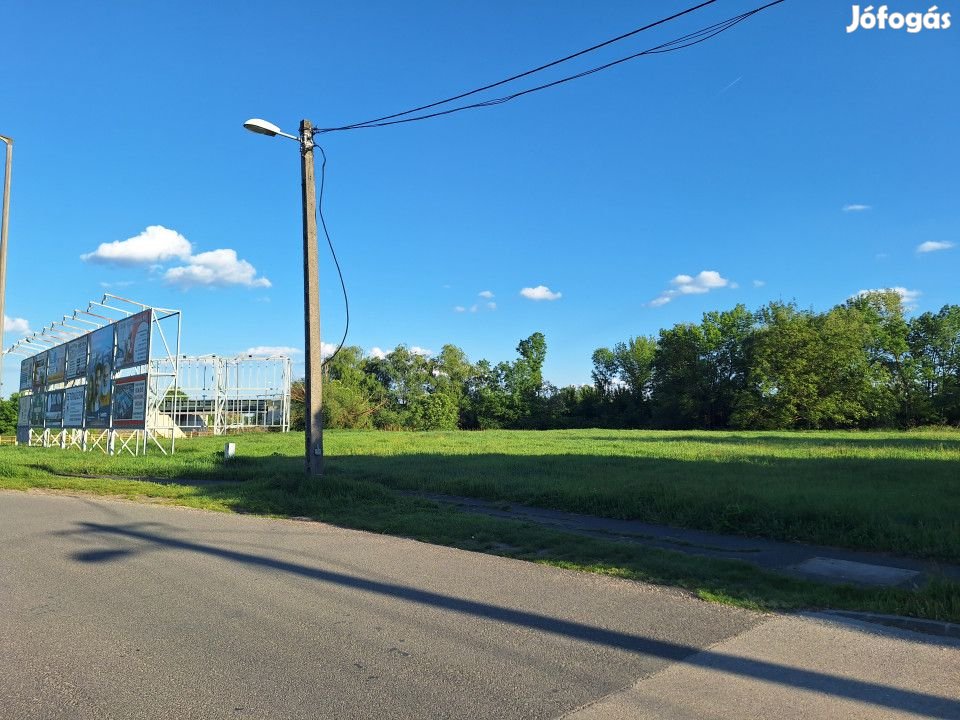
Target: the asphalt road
pixel 117 610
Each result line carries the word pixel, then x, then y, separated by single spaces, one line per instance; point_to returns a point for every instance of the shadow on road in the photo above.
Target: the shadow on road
pixel 866 692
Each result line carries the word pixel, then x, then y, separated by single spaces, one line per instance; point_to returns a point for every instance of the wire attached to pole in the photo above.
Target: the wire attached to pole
pixel 336 262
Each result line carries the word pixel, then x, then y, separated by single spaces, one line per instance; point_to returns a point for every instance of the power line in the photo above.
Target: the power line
pixel 680 43
pixel 529 72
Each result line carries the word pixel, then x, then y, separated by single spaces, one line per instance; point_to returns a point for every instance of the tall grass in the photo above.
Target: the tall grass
pixel 887 491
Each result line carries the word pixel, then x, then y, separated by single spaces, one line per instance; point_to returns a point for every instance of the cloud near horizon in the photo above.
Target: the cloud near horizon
pixel 264 350
pixel 857 208
pixel 703 282
pixel 933 246
pixel 907 297
pixel 540 292
pixel 15 325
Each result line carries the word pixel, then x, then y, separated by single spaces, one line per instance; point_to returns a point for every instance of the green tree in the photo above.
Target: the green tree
pixel 680 378
pixel 724 358
pixel 934 340
pixel 604 371
pixel 8 414
pixel 808 371
pixel 634 363
pixel 893 369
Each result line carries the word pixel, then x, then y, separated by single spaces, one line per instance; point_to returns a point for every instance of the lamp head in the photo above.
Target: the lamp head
pixel 262 127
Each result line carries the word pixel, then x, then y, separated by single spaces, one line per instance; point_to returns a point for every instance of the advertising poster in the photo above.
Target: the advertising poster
pixel 99 378
pixel 36 410
pixel 38 380
pixel 133 340
pixel 54 411
pixel 73 407
pixel 130 402
pixel 76 363
pixel 56 364
pixel 26 373
pixel 23 412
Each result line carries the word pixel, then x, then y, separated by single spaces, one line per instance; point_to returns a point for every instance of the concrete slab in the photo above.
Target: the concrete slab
pixel 879 569
pixel 855 572
pixel 796 668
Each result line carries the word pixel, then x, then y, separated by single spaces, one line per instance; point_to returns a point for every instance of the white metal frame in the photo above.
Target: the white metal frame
pixel 220 395
pixel 159 431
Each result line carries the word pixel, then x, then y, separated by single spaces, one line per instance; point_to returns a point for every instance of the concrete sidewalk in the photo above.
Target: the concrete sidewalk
pixel 796 668
pixel 816 562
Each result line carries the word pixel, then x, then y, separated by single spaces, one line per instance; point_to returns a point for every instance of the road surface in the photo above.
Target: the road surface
pixel 112 609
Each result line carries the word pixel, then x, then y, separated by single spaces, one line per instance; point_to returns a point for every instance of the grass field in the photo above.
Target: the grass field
pixel 898 492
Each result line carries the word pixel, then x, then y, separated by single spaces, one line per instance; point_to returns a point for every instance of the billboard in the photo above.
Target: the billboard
pixel 56 364
pixel 26 373
pixel 99 376
pixel 23 412
pixel 53 415
pixel 130 402
pixel 76 363
pixel 73 407
pixel 133 340
pixel 38 379
pixel 37 409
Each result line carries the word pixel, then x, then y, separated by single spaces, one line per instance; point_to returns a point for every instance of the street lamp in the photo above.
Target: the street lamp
pixel 313 391
pixel 3 242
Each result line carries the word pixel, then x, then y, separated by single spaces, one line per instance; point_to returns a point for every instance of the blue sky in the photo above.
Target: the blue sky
pixel 785 159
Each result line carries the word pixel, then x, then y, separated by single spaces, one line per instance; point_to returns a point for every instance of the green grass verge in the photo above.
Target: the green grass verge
pixel 853 486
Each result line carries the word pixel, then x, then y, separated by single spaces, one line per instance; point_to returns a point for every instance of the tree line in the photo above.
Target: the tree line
pixel 861 364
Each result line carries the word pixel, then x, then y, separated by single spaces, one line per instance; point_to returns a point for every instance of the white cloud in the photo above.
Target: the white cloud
pixel 540 292
pixel 155 244
pixel 933 246
pixel 158 245
pixel 215 268
pixel 459 308
pixel 474 307
pixel 908 297
pixel 759 283
pixel 491 305
pixel 327 349
pixel 415 350
pixel 117 284
pixel 703 282
pixel 17 326
pixel 856 208
pixel 272 350
pixel 377 353
pixel 485 294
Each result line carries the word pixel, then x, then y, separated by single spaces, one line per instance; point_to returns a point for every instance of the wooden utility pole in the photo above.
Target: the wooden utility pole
pixel 313 389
